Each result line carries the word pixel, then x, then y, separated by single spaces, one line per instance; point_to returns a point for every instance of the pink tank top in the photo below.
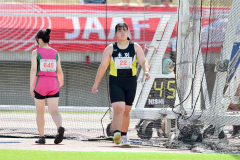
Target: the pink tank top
pixel 46 55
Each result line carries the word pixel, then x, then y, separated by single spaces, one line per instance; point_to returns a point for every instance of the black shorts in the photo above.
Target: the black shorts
pixel 122 89
pixel 39 96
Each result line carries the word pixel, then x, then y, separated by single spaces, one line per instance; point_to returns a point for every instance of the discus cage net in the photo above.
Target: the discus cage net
pixel 206 68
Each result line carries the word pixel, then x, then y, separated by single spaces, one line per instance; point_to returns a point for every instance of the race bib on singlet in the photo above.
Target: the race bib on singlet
pixel 123 62
pixel 48 65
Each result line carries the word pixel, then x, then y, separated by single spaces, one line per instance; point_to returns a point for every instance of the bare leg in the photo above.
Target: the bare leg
pixel 126 118
pixel 53 110
pixel 118 108
pixel 40 107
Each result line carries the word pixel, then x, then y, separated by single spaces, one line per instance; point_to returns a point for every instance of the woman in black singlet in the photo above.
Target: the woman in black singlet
pixel 122 57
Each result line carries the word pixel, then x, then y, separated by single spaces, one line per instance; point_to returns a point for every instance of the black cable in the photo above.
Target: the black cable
pixel 106 80
pixel 205 58
pixel 176 72
pixel 196 65
pixel 102 123
pixel 199 49
pixel 209 22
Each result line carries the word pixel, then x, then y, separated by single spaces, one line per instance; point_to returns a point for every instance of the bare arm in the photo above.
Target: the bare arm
pixel 103 66
pixel 60 72
pixel 142 60
pixel 33 71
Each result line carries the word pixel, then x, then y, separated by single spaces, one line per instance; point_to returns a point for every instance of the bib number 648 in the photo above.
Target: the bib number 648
pixel 48 65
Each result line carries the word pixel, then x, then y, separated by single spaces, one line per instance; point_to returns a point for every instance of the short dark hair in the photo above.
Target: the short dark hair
pixel 44 34
pixel 121 25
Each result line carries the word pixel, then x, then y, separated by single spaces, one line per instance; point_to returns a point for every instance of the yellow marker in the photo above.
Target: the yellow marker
pixel 171 89
pixel 158 89
pixel 150 95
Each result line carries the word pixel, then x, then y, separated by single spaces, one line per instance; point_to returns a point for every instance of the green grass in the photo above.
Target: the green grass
pixel 73 155
pixel 73 112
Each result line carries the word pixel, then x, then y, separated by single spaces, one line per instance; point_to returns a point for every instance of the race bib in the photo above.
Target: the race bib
pixel 48 65
pixel 123 62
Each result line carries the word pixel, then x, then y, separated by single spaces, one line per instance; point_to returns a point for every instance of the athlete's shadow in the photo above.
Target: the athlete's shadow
pixel 126 146
pixel 48 144
pixel 121 146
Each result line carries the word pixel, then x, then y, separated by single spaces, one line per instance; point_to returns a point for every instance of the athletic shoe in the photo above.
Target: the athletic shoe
pixel 59 137
pixel 125 141
pixel 41 140
pixel 117 137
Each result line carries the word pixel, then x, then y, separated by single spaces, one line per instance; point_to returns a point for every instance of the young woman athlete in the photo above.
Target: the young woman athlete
pixel 122 57
pixel 46 77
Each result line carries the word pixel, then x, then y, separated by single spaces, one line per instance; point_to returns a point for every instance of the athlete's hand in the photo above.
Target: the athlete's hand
pixel 60 84
pixel 147 75
pixel 31 92
pixel 94 88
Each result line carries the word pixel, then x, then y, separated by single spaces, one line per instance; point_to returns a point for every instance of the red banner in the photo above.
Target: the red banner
pixel 89 33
